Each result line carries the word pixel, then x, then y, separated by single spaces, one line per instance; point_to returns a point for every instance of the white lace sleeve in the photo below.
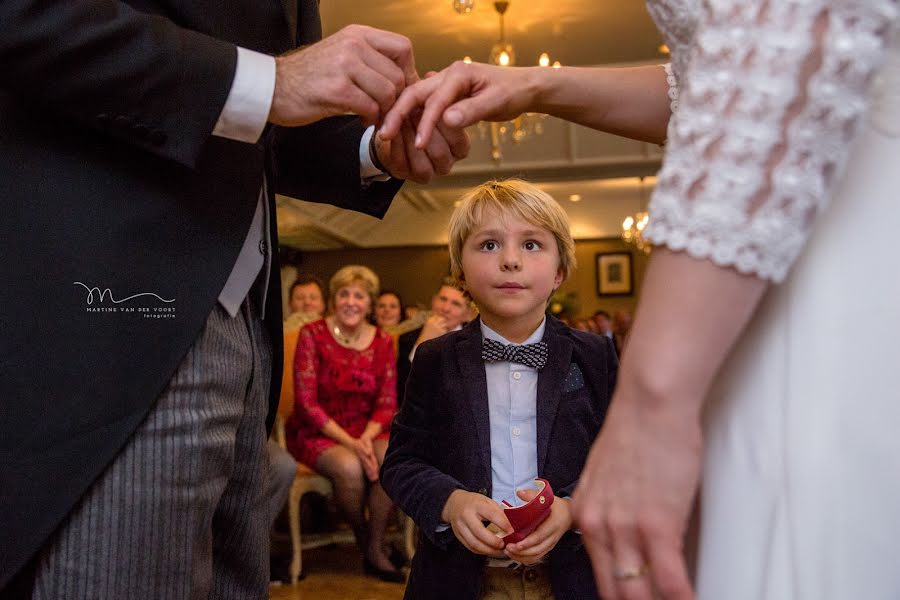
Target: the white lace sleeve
pixel 767 110
pixel 672 80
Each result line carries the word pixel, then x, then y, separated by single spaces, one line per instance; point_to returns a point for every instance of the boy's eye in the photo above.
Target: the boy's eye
pixel 531 245
pixel 489 245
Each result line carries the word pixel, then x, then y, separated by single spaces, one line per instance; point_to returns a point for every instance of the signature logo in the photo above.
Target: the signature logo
pixel 101 295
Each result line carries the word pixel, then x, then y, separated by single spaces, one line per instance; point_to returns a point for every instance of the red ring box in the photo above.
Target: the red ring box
pixel 525 519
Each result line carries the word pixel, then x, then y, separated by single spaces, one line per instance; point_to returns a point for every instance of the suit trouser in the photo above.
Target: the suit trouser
pixel 524 583
pixel 181 512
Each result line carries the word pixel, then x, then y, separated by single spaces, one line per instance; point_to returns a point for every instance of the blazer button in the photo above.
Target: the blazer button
pixel 123 121
pixel 157 137
pixel 102 118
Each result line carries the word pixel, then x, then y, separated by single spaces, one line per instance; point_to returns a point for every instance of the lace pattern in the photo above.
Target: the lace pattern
pixel 673 87
pixel 770 94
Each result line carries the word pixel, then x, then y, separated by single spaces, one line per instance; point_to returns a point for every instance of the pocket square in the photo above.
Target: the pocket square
pixel 574 380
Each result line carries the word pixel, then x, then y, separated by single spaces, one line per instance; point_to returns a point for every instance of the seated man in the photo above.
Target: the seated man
pixel 450 310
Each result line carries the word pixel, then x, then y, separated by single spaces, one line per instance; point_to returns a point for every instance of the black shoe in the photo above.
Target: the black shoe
pixel 396 576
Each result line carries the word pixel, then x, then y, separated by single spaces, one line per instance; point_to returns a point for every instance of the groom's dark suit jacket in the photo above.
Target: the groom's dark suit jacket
pixel 109 176
pixel 440 442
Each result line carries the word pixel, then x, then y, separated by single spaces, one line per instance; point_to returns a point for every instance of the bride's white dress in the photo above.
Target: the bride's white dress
pixel 783 161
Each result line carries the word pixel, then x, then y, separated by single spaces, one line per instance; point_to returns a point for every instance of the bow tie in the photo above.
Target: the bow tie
pixel 530 355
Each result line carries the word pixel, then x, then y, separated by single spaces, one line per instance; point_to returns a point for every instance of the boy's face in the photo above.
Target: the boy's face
pixel 511 268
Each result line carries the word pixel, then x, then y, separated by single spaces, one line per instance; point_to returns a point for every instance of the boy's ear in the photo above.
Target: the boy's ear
pixel 557 281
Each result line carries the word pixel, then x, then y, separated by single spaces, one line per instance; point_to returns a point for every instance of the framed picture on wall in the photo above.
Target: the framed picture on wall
pixel 615 274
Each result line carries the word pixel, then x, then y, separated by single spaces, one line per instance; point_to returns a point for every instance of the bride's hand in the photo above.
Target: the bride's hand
pixel 460 95
pixel 634 500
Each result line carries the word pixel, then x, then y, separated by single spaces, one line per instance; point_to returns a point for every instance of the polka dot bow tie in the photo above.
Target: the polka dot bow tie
pixel 530 355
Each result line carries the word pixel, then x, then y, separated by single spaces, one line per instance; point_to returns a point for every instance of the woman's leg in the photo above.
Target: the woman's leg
pixel 343 468
pixel 380 506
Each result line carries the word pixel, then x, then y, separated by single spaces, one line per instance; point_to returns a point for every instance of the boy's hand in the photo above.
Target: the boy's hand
pixel 466 513
pixel 543 539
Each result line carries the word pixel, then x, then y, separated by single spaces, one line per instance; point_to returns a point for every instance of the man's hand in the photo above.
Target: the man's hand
pixel 403 160
pixel 542 540
pixel 463 94
pixel 357 70
pixel 466 513
pixel 435 326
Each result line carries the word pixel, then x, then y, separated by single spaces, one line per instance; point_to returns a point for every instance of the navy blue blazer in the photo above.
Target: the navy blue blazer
pixel 440 442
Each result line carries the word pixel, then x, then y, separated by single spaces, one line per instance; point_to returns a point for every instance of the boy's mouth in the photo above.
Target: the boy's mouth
pixel 511 285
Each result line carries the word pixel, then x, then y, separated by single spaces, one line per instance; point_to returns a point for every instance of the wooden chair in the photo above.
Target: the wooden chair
pixel 306 479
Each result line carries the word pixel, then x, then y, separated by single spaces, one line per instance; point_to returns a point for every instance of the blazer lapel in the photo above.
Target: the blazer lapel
pixel 474 386
pixel 550 383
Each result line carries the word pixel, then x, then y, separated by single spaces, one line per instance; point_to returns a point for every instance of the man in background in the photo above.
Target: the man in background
pixel 450 310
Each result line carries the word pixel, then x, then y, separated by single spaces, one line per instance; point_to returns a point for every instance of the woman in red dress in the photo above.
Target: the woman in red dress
pixel 345 394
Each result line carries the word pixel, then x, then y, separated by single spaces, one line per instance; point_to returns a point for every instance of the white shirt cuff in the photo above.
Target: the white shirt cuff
pixel 247 107
pixel 367 169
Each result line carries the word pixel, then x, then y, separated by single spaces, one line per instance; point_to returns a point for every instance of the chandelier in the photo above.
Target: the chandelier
pixel 503 54
pixel 633 226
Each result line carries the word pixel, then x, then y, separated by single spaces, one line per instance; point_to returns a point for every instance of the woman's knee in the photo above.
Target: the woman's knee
pixel 342 467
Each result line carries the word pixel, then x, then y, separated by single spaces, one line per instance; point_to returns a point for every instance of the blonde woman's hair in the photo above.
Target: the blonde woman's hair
pixel 518 198
pixel 364 276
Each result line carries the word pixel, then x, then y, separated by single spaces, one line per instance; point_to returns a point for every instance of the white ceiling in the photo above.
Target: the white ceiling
pixel 564 160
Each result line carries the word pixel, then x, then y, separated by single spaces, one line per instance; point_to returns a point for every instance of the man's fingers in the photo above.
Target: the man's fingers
pixel 439 153
pixel 398 166
pixel 396 47
pixel 358 102
pixel 420 169
pixel 457 139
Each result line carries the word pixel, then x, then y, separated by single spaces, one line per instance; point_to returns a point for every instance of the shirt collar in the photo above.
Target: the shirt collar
pixel 535 337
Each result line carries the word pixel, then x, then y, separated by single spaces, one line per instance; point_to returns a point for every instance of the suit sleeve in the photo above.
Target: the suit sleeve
pixel 408 474
pixel 320 163
pixel 107 66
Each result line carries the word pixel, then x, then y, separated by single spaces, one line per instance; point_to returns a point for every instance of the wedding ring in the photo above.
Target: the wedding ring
pixel 632 573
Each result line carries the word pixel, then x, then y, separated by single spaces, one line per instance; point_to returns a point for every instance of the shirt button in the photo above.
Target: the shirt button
pixel 516 431
pixel 517 376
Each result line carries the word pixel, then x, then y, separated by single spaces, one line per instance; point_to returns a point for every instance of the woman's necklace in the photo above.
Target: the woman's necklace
pixel 344 338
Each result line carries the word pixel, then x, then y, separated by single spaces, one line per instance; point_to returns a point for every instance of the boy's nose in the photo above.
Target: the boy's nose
pixel 511 262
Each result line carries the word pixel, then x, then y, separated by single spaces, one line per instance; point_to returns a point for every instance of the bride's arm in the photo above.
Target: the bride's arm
pixel 768 111
pixel 633 102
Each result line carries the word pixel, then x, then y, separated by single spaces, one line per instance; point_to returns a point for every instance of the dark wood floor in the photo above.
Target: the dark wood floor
pixel 335 573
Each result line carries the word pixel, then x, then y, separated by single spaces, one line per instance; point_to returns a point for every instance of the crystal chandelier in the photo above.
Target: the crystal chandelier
pixel 633 226
pixel 503 54
pixel 463 7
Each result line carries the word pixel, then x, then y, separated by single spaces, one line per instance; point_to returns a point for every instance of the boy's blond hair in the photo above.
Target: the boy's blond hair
pixel 516 197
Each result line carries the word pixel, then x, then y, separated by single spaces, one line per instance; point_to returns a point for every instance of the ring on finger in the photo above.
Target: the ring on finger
pixel 621 573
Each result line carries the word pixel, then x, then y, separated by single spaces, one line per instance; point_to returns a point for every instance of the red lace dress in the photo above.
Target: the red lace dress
pixel 350 386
